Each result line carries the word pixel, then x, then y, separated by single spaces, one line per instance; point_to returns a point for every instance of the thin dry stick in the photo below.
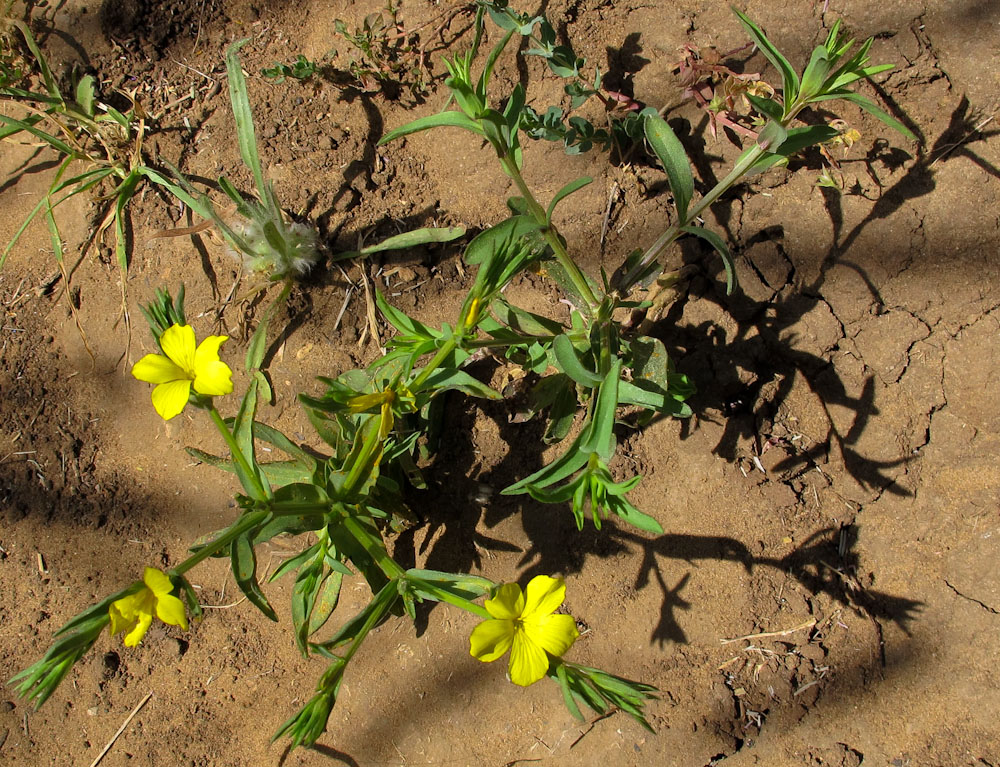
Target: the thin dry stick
pixel 121 729
pixel 807 625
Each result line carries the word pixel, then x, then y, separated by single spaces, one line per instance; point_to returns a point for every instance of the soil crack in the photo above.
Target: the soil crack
pixel 971 599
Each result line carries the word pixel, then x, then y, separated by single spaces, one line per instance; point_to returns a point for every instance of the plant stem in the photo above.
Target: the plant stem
pixel 442 354
pixel 375 550
pixel 245 523
pixel 237 454
pixel 674 231
pixel 551 236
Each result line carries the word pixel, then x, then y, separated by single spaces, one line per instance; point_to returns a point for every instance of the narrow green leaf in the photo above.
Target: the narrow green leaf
pixel 790 80
pixel 242 114
pixel 570 364
pixel 767 107
pixel 720 246
pixel 674 159
pixel 50 81
pixel 439 120
pixel 458 380
pixel 772 136
pixel 816 71
pixel 325 602
pixel 568 463
pixel 29 127
pixel 414 238
pixel 869 106
pixel 565 192
pixel 245 572
pixel 243 433
pixel 85 95
pixel 598 437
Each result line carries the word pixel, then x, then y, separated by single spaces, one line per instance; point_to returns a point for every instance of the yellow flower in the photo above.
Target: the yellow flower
pixel 183 366
pixel 134 613
pixel 525 624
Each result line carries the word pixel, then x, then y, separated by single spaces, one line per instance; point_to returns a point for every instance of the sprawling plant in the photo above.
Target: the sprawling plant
pixel 589 369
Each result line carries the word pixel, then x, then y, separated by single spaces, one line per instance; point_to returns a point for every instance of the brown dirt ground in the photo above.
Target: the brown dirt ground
pixel 837 490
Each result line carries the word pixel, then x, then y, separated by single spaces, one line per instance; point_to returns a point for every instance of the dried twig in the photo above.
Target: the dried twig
pixel 807 625
pixel 121 729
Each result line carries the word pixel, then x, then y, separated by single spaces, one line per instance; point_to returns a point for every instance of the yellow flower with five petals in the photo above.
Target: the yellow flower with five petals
pixel 134 613
pixel 182 366
pixel 525 624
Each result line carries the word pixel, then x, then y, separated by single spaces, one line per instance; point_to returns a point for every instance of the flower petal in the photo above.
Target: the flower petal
pixel 157 369
pixel 170 398
pixel 123 613
pixel 213 378
pixel 553 633
pixel 508 602
pixel 491 639
pixel 133 637
pixel 177 343
pixel 208 351
pixel 543 596
pixel 170 609
pixel 157 581
pixel 528 661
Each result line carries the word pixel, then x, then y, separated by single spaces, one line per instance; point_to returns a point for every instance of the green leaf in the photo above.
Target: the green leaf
pixel 325 602
pixel 872 108
pixel 598 437
pixel 816 71
pixel 491 60
pixel 245 134
pixel 28 126
pixel 488 243
pixel 767 107
pixel 85 95
pixel 568 463
pixel 440 120
pixel 720 246
pixel 648 395
pixel 414 238
pixel 563 193
pixel 245 572
pixel 790 80
pixel 243 433
pixel 797 140
pixel 523 321
pixel 567 693
pixel 402 322
pixel 569 363
pixel 50 81
pixel 772 136
pixel 125 191
pixel 294 562
pixel 674 160
pixel 372 614
pixel 633 516
pixel 458 380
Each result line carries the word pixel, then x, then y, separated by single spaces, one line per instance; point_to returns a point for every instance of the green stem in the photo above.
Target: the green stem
pixel 674 231
pixel 237 453
pixel 375 549
pixel 247 522
pixel 443 596
pixel 552 237
pixel 442 354
pixel 493 343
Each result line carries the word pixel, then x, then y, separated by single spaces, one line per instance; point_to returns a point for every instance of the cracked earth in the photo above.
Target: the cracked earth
pixel 826 592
